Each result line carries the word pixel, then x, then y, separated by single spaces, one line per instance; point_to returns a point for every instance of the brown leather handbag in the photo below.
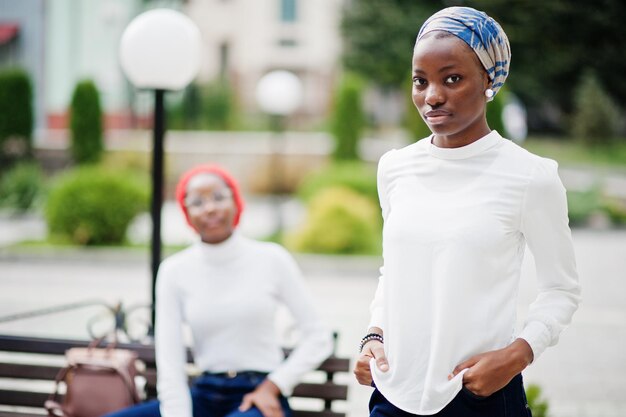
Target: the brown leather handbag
pixel 98 381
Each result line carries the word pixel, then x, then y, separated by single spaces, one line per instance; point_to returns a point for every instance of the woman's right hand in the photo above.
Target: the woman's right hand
pixel 372 349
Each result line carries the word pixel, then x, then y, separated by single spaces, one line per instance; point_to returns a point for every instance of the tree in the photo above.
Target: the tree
pixel 16 115
pixel 379 36
pixel 348 118
pixel 86 123
pixel 595 120
pixel 553 41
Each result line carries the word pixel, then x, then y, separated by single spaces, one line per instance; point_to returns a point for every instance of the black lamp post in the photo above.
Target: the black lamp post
pixel 160 51
pixel 157 190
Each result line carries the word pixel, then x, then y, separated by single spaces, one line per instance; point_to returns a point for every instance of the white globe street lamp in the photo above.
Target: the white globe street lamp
pixel 160 50
pixel 279 94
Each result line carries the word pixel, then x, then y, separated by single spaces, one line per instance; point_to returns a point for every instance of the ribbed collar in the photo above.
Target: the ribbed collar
pixel 467 151
pixel 223 252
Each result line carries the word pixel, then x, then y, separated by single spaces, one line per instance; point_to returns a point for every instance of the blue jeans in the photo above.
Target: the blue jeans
pixel 510 401
pixel 212 396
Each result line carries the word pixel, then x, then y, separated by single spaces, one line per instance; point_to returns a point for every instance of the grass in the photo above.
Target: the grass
pixel 59 243
pixel 573 152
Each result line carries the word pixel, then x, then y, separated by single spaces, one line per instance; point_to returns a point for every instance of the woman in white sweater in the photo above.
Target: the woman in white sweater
pixel 227 289
pixel 459 207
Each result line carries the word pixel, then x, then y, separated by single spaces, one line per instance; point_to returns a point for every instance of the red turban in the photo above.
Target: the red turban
pixel 181 188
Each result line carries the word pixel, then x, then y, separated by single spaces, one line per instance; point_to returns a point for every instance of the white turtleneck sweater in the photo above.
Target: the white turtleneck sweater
pixel 456 223
pixel 228 294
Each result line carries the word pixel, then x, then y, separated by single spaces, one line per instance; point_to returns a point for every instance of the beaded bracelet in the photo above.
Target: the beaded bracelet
pixel 368 338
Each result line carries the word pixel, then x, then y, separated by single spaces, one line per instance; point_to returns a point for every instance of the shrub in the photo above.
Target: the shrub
pixel 581 204
pixel 21 186
pixel 616 210
pixel 340 221
pixel 16 115
pixel 357 176
pixel 92 206
pixel 86 123
pixel 538 405
pixel 596 117
pixel 348 119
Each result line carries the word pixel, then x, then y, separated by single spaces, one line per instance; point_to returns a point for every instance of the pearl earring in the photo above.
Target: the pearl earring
pixel 489 93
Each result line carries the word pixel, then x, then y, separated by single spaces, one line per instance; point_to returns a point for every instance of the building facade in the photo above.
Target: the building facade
pixel 245 39
pixel 61 42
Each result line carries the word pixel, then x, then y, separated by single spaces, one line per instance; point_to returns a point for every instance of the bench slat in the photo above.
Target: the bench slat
pixel 19 414
pixel 335 364
pixel 26 344
pixel 23 398
pixel 325 391
pixel 324 413
pixel 23 371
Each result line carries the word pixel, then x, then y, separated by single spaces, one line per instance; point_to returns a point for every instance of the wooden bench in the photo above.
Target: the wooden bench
pixel 21 398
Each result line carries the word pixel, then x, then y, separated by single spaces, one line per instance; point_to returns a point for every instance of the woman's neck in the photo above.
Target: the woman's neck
pixel 464 138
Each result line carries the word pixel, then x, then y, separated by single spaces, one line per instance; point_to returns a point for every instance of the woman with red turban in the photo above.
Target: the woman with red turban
pixel 226 288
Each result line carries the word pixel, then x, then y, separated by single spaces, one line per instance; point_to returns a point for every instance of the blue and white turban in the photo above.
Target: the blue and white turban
pixel 483 34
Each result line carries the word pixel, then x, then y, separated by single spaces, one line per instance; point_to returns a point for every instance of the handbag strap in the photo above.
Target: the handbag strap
pixel 52 404
pixel 130 384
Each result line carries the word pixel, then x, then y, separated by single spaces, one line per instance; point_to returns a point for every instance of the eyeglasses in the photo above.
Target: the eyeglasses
pixel 219 198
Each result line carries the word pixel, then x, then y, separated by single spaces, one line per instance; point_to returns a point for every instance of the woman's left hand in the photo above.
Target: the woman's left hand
pixel 490 371
pixel 265 398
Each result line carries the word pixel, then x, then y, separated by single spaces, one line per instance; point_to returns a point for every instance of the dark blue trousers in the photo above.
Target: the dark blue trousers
pixel 212 396
pixel 510 401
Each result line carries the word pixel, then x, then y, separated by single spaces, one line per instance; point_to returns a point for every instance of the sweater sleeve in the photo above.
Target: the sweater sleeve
pixel 172 387
pixel 544 223
pixel 376 306
pixel 315 343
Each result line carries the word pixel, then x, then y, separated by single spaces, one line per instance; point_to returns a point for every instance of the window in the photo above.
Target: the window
pixel 288 12
pixel 224 57
pixel 289 43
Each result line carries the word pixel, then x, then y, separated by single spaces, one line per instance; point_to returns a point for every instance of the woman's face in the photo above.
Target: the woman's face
pixel 210 207
pixel 449 89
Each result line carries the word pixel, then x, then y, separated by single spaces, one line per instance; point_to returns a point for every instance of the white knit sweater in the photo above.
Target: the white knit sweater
pixel 456 223
pixel 228 294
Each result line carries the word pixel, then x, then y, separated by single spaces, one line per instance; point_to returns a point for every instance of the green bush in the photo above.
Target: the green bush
pixel 340 221
pixel 616 210
pixel 538 405
pixel 348 119
pixel 581 204
pixel 21 186
pixel 357 176
pixel 16 115
pixel 93 206
pixel 86 123
pixel 596 115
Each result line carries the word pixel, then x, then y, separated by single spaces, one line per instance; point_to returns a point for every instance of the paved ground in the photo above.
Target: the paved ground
pixel 583 376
